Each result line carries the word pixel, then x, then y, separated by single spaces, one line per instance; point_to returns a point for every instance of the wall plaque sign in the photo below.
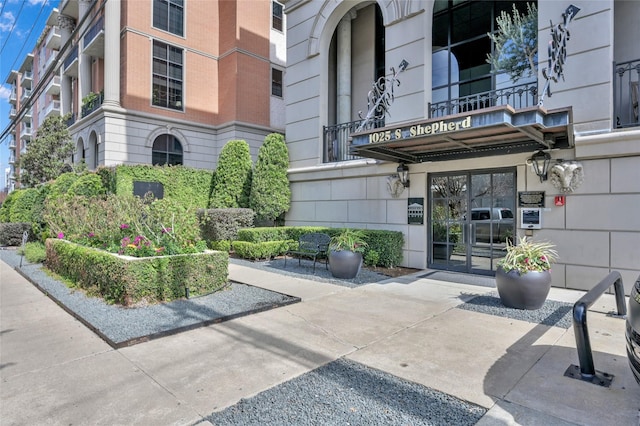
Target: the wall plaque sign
pixel 531 199
pixel 415 211
pixel 140 188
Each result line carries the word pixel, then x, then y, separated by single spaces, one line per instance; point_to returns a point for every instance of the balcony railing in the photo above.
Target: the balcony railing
pixel 337 140
pixel 521 96
pixel 93 31
pixel 626 76
pixel 71 120
pixel 92 105
pixel 70 60
pixel 26 94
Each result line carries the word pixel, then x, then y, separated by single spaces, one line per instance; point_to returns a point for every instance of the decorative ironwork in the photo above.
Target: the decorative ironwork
pixel 626 93
pixel 520 96
pixel 381 97
pixel 557 51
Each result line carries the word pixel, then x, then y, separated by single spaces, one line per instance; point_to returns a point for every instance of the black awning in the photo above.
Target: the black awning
pixel 487 132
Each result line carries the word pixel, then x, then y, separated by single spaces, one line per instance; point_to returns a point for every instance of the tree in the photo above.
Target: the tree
pixel 233 176
pixel 270 192
pixel 47 153
pixel 516 43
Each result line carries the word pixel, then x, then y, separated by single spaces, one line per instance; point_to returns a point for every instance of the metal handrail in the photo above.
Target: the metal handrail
pixel 588 371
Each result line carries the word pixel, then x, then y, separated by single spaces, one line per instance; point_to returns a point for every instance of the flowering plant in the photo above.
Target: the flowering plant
pixel 528 256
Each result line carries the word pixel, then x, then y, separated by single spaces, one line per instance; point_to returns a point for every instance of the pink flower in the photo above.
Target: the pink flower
pixel 91 234
pixel 166 230
pixel 124 226
pixel 61 235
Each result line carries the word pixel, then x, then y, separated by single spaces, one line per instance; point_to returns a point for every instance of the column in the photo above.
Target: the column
pixel 112 53
pixel 66 25
pixel 343 80
pixel 84 61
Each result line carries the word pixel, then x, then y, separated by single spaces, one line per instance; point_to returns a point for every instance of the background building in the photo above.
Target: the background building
pixel 160 82
pixel 466 134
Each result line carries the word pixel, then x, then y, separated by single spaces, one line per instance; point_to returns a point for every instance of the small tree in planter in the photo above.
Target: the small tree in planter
pixel 522 277
pixel 345 253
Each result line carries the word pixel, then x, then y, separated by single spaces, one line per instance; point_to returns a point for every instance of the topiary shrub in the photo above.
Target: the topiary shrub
pixel 270 192
pixel 263 250
pixel 223 224
pixel 233 177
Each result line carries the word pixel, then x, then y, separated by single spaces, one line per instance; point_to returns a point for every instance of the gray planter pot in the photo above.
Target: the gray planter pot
pixel 527 291
pixel 345 264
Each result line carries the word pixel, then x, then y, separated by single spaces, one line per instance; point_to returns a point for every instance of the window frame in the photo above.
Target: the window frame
pixel 167 153
pixel 275 84
pixel 279 17
pixel 169 65
pixel 167 4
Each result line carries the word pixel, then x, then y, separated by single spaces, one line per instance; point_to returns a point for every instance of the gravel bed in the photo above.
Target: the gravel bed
pixel 305 270
pixel 552 313
pixel 344 392
pixel 122 326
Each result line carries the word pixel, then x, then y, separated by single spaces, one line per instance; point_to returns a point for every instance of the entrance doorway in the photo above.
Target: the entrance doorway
pixel 471 217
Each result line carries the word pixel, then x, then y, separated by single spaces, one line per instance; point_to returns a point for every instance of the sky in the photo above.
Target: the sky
pixel 21 23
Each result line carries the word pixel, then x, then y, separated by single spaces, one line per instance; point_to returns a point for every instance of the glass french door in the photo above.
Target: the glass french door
pixel 471 217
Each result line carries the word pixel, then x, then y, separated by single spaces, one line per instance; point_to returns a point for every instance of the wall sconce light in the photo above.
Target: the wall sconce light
pixel 540 163
pixel 403 174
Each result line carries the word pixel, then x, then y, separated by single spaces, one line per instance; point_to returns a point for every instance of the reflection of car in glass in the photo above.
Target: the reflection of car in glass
pixel 486 221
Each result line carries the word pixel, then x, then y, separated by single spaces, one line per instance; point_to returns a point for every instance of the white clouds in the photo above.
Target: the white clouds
pixel 6 21
pixel 4 93
pixel 38 2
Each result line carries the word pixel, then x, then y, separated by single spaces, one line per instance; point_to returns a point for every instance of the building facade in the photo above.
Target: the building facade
pixel 34 96
pixel 167 81
pixel 470 137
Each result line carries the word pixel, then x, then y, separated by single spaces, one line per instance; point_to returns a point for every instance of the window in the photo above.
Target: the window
pixel 168 15
pixel 276 22
pixel 166 150
pixel 276 82
pixel 167 76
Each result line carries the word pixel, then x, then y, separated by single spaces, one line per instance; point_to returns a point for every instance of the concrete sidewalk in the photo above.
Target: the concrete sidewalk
pixel 53 370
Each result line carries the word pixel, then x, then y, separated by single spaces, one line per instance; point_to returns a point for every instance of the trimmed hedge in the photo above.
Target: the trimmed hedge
pixel 263 250
pixel 127 280
pixel 189 186
pixel 223 224
pixel 386 245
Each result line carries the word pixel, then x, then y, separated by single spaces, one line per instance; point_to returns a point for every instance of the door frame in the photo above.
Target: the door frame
pixel 467 267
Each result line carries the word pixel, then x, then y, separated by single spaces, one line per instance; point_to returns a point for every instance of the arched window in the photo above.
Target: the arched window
pixel 167 150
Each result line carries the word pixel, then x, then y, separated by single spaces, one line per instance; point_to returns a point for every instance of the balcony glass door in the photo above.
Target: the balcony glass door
pixel 471 216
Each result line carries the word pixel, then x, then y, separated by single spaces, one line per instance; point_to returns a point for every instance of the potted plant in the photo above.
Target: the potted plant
pixel 345 253
pixel 522 277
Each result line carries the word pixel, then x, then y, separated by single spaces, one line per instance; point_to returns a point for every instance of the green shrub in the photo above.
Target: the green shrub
pixel 5 209
pixel 22 204
pixel 387 244
pixel 263 250
pixel 222 245
pixel 11 233
pixel 233 176
pixel 127 281
pixel 35 252
pixel 372 258
pixel 270 192
pixel 60 186
pixel 223 224
pixel 186 185
pixel 87 185
pixel 108 177
pixel 127 225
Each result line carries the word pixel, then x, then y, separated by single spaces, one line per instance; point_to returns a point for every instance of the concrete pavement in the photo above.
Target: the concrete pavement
pixel 53 370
